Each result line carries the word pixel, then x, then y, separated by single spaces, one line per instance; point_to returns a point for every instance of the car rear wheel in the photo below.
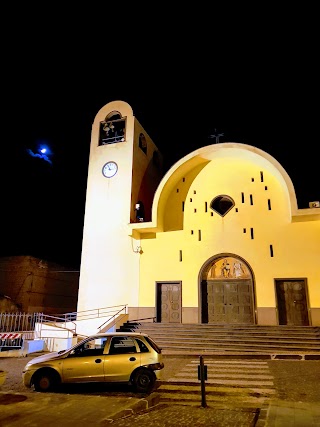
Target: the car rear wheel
pixel 45 381
pixel 143 380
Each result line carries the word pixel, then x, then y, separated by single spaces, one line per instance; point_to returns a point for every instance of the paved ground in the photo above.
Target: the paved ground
pixel 296 401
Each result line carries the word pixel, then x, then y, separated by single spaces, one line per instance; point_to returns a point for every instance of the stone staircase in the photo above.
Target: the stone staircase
pixel 248 340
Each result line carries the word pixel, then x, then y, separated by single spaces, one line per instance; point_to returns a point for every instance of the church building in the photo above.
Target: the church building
pixel 218 239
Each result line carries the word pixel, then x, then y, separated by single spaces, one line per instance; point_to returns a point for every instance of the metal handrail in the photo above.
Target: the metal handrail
pixel 92 314
pixel 26 322
pixel 144 318
pixel 114 316
pixel 53 320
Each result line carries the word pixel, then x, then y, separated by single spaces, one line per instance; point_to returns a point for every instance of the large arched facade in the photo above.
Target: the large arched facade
pixel 236 202
pixel 224 203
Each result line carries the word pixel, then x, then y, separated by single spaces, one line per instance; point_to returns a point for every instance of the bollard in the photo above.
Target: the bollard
pixel 202 376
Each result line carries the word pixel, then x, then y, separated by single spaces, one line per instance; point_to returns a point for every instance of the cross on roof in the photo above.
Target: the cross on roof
pixel 216 136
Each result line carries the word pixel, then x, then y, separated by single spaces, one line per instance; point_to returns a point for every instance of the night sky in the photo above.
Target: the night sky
pixel 253 88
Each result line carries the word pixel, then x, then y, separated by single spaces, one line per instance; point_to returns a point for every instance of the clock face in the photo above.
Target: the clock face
pixel 110 169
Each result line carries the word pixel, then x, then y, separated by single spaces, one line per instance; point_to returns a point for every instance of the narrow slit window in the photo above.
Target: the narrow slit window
pixel 194 192
pixel 242 197
pixel 180 256
pixel 206 207
pixel 182 206
pixel 236 209
pixel 251 232
pixel 183 179
pixel 199 235
pixel 244 230
pixel 251 199
pixel 266 188
pixel 271 251
pixel 191 231
pixel 252 179
pixel 143 143
pixel 261 176
pixel 190 199
pixel 269 204
pixel 177 190
pixel 195 210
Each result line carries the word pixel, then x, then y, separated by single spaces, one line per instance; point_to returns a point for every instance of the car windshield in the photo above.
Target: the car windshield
pixel 92 342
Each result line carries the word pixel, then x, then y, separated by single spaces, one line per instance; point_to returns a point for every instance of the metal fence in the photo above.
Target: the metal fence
pixel 15 327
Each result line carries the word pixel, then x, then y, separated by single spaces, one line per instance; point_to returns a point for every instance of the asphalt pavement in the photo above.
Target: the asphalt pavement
pixel 294 401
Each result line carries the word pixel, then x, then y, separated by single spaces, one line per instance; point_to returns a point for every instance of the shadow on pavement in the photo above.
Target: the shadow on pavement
pixel 123 390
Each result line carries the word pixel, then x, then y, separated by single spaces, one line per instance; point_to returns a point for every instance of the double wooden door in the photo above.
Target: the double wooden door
pixel 227 301
pixel 292 302
pixel 169 302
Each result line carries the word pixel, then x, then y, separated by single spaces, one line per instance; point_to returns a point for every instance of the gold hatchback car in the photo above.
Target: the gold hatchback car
pixel 117 357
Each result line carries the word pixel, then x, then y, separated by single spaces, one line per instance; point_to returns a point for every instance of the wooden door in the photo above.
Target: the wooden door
pixel 169 302
pixel 228 301
pixel 292 302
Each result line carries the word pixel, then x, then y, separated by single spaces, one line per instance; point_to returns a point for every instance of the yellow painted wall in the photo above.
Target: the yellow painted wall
pixel 232 171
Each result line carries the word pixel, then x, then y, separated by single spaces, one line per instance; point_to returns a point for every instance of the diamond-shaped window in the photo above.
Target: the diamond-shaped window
pixel 222 204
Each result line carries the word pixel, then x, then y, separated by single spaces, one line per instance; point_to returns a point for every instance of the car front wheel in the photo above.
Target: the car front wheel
pixel 45 381
pixel 143 380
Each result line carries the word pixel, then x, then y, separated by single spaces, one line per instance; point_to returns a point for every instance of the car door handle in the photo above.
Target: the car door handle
pixel 132 359
pixel 98 360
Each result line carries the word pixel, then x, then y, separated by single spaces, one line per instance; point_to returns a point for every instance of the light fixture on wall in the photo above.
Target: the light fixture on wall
pixel 314 204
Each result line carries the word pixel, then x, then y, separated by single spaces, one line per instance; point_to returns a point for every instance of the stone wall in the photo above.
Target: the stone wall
pixel 34 285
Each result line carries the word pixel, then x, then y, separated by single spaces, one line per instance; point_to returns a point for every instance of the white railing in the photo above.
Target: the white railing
pixel 62 330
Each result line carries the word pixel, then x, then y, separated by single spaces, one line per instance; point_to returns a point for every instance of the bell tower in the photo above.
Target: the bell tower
pixel 125 168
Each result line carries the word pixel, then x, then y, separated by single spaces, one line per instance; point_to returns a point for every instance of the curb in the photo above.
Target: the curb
pixel 248 356
pixel 211 354
pixel 141 405
pixel 263 416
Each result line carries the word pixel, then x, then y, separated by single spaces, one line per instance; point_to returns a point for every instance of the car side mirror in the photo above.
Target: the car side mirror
pixel 76 351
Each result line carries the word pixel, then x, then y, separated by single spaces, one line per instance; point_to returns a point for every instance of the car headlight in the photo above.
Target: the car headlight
pixel 28 365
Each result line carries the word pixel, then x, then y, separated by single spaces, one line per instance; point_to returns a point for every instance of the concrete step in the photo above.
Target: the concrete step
pixel 310 332
pixel 226 337
pixel 227 342
pixel 277 330
pixel 197 338
pixel 237 347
